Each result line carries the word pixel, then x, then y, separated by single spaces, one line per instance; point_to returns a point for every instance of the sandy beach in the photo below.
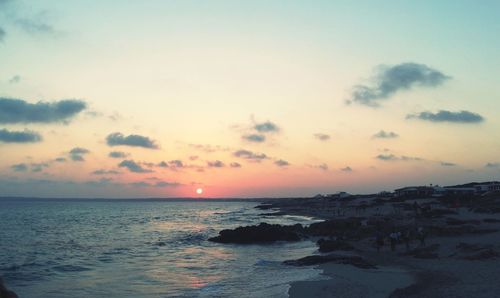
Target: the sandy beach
pixel 459 259
pixel 346 281
pixel 446 276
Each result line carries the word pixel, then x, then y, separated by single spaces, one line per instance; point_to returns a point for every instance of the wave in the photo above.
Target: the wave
pixel 70 268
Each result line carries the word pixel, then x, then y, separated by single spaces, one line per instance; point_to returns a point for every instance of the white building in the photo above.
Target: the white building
pixel 481 188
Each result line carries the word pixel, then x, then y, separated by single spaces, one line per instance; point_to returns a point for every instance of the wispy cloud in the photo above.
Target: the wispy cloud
pixel 117 154
pixel 15 79
pixel 118 139
pixel 105 172
pixel 215 164
pixel 391 79
pixel 267 126
pixel 2 34
pixel 21 167
pixel 20 111
pixel 4 2
pixel 235 165
pixel 386 157
pixel 322 166
pixel 77 153
pixel 38 167
pixel 346 169
pixel 448 164
pixel 166 184
pixel 256 138
pixel 410 158
pixel 258 132
pixel 385 135
pixel 133 166
pixel 208 148
pixel 33 167
pixel 26 136
pixel 492 165
pixel 156 184
pixel 392 157
pixel 249 155
pixel 176 163
pixel 162 164
pixel 322 136
pixel 102 182
pixel 282 163
pixel 448 116
pixel 32 23
pixel 35 26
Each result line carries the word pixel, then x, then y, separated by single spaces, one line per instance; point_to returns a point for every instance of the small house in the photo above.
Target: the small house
pixel 414 192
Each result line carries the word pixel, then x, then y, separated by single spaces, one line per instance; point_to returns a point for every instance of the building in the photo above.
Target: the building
pixel 487 187
pixel 460 190
pixel 340 195
pixel 415 192
pixel 439 191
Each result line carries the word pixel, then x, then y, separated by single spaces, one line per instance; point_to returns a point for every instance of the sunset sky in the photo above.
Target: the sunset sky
pixel 246 98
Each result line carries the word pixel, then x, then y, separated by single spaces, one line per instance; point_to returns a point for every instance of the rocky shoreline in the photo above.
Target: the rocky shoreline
pixel 445 239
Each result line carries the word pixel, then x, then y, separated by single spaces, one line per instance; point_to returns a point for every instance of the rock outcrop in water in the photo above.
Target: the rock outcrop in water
pixel 332 258
pixel 263 233
pixel 5 293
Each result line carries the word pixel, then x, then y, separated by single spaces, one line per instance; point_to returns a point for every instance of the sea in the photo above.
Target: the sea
pixel 142 248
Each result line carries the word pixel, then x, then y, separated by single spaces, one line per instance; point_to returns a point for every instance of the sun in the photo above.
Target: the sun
pixel 199 191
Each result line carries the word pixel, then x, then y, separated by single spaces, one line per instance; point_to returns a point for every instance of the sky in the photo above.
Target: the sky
pixel 136 99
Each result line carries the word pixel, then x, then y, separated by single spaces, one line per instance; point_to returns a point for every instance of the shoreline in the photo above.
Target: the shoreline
pixel 347 281
pixel 441 268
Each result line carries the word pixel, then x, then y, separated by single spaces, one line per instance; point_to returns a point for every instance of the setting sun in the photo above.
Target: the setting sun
pixel 199 191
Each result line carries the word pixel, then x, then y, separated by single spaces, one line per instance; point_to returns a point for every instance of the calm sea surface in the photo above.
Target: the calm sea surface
pixel 63 248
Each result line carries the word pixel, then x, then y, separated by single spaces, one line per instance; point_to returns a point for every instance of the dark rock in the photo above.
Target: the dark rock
pixel 332 245
pixel 427 252
pixel 477 251
pixel 338 259
pixel 264 206
pixel 458 230
pixel 259 234
pixel 468 248
pixel 455 221
pixel 490 210
pixel 483 255
pixel 5 293
pixel 486 204
pixel 438 212
pixel 278 213
pixel 491 220
pixel 161 243
pixel 334 227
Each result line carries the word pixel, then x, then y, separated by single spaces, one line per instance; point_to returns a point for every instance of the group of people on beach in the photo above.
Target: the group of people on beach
pixel 397 237
pixel 400 236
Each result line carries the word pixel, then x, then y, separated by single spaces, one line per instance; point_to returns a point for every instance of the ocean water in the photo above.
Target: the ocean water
pixel 134 248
